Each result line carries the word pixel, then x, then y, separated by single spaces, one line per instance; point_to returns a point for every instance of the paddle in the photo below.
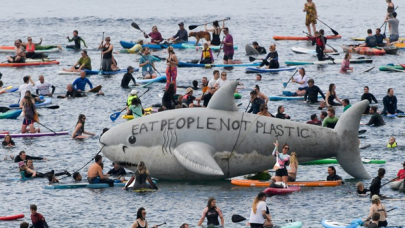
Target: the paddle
pixel 153 68
pixel 115 115
pixel 285 84
pixel 334 31
pixel 100 72
pixel 161 224
pixel 4 109
pixel 248 106
pixel 396 178
pixel 325 44
pixel 385 21
pixel 191 27
pixel 368 70
pixel 136 26
pixel 52 107
pixel 45 127
pixel 220 46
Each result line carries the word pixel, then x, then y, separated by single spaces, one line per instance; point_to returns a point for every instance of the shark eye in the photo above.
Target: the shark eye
pixel 132 140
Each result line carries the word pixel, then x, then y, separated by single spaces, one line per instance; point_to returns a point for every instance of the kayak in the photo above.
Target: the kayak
pixel 250 50
pixel 388 67
pixel 126 45
pixel 354 224
pixel 184 64
pixel 11 217
pixel 11 114
pixel 398 185
pixel 257 183
pixel 303 37
pixel 281 191
pixel 334 161
pixel 92 72
pixel 257 70
pixel 364 39
pixel 301 50
pixel 336 61
pixel 214 48
pixel 363 50
pixel 47 101
pixel 30 62
pixel 157 79
pixel 31 135
pixel 391 50
pixel 10 49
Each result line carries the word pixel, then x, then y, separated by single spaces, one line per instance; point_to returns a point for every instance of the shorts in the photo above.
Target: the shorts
pixel 281 172
pixel 144 73
pixel 27 122
pixel 394 38
pixel 21 60
pixel 304 88
pixel 228 57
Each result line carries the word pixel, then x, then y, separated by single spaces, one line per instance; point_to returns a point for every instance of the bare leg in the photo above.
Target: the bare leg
pixel 300 92
pixel 278 179
pixel 314 28
pixel 23 128
pixel 10 59
pixel 147 76
pixel 81 137
pixel 309 30
pixel 285 179
pixel 154 75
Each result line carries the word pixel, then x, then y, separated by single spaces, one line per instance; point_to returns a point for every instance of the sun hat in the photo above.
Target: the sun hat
pixel 134 92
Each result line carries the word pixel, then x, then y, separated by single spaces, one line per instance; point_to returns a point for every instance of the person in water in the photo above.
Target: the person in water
pixel 216 32
pixel 378 207
pixel 331 120
pixel 360 189
pixel 8 141
pixel 77 39
pixel 332 176
pixel 155 36
pixel 375 185
pixel 258 214
pixel 258 48
pixel 84 63
pixel 314 120
pixel 392 143
pixel 207 96
pixel 19 53
pixel 281 113
pixel 302 80
pixel 23 157
pixel 271 60
pixel 311 16
pixel 71 92
pixel 26 172
pixel 95 173
pixel 345 66
pixel 140 177
pixel 331 96
pixel 346 104
pixel 77 176
pixel 168 100
pixel 312 92
pixel 212 213
pixel 128 77
pixel 256 102
pixel 117 170
pixel 264 111
pixel 371 41
pixel 206 56
pixel 140 221
pixel 376 119
pixel 390 103
pixel 368 96
pixel 38 220
pixel 181 36
pixel 80 83
pixel 258 77
pixel 283 161
pixel 79 129
pixel 401 172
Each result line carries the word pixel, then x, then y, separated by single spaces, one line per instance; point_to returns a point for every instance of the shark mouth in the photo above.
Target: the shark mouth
pixel 126 164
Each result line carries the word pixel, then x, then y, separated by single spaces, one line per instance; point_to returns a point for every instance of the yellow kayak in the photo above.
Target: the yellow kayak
pixel 148 111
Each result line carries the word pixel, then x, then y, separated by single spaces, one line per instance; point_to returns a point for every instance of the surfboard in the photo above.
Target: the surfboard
pixel 250 50
pixel 95 89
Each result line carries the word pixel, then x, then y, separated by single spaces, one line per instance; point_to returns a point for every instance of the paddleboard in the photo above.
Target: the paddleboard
pixel 336 61
pixel 127 45
pixel 47 101
pixel 258 183
pixel 93 72
pixel 303 37
pixel 199 48
pixel 10 49
pixel 184 64
pixel 31 135
pixel 157 79
pixel 250 50
pixel 95 89
pixel 291 98
pixel 300 50
pixel 281 191
pixel 11 217
pixel 364 39
pixel 82 185
pixel 258 70
pixel 391 68
pixel 334 161
pixel 40 62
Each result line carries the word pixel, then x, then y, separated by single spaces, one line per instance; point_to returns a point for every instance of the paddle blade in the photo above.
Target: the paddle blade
pixel 53 107
pixel 238 218
pixel 4 109
pixel 191 27
pixel 334 32
pixel 284 84
pixel 115 116
pixel 135 25
pixel 251 59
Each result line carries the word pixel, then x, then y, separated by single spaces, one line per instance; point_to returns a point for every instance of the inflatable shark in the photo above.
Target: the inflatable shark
pixel 219 142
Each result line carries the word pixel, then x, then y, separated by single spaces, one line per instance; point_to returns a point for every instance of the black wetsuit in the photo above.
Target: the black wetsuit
pixel 365 190
pixel 375 186
pixel 168 100
pixel 370 97
pixel 282 116
pixel 331 99
pixel 312 94
pixel 261 50
pixel 4 143
pixel 74 93
pixel 273 64
pixel 18 158
pixel 119 172
pixel 390 105
pixel 376 120
pixel 126 79
pixel 212 217
pixel 256 103
pixel 77 40
pixel 334 178
pixel 206 98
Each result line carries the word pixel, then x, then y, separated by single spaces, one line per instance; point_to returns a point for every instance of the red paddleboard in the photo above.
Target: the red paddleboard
pixel 4 132
pixel 11 217
pixel 402 65
pixel 282 191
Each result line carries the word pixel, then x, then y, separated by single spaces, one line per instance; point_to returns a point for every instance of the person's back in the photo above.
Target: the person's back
pixel 93 170
pixel 376 120
pixel 371 41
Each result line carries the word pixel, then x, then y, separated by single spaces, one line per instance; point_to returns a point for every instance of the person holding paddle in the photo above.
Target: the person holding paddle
pixel 181 35
pixel 390 9
pixel 312 15
pixel 216 32
pixel 107 50
pixel 171 69
pixel 30 115
pixel 302 81
pixel 148 64
pixel 393 27
pixel 283 160
pixel 155 36
pixel 378 207
pixel 258 214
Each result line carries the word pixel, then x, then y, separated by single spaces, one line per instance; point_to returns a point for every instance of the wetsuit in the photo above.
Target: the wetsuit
pixel 212 216
pixel 77 40
pixel 261 50
pixel 370 97
pixel 114 172
pixel 312 94
pixel 390 105
pixel 74 93
pixel 140 181
pixel 375 186
pixel 168 100
pixel 38 221
pixel 18 158
pixel 376 119
pixel 282 116
pixel 216 41
pixel 80 83
pixel 4 143
pixel 320 47
pixel 273 62
pixel 282 159
pixel 206 98
pixel 362 192
pixel 330 122
pixel 334 178
pixel 107 59
pixel 126 79
pixel 256 103
pixel 331 99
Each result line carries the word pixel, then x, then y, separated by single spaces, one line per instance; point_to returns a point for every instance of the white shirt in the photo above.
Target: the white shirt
pixel 221 82
pixel 212 82
pixel 304 79
pixel 43 89
pixel 24 88
pixel 258 217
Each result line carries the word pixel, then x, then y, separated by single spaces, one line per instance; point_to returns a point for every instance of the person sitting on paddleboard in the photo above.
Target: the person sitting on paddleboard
pixel 271 60
pixel 155 36
pixel 80 83
pixel 332 176
pixel 181 36
pixel 77 39
pixel 19 53
pixel 212 213
pixel 140 176
pixel 132 95
pixel 23 157
pixel 371 40
pixel 390 103
pixel 325 39
pixel 392 143
pixel 360 189
pixel 258 214
pixel 148 64
pixel 188 98
pixel 345 66
pixel 117 170
pixel 259 49
pixel 379 38
pixel 378 207
pixel 84 63
pixel 255 102
pixel 128 77
pixel 8 141
pixel 216 32
pixel 206 56
pixel 79 129
pixel 283 161
pixel 401 172
pixel 140 221
pixel 375 185
pixel 281 113
pixel 376 119
pixel 136 108
pixel 321 47
pixel 368 96
pixel 311 93
pixel 95 173
pixel 302 80
pixel 30 49
pixel 206 97
pixel 42 87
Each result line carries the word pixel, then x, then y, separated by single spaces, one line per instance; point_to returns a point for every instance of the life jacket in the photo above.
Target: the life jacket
pixel 392 146
pixel 206 53
pixel 319 42
pixel 129 100
pixel 30 49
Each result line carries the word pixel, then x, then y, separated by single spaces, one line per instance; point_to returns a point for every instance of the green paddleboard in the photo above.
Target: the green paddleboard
pixel 334 161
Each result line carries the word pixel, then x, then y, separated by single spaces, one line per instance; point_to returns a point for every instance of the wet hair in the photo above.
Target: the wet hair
pixel 376 215
pixel 346 101
pixel 321 31
pixel 26 79
pixel 313 116
pixel 381 172
pixel 184 225
pixel 359 184
pixel 76 31
pixel 366 87
pixel 170 89
pixel 333 169
pixel 24 225
pixel 259 75
pixel 331 87
pixel 21 152
pixel 142 168
pixel 311 81
pixel 257 87
pixel 80 120
pixel 369 31
pixel 394 14
pixel 378 29
pixel 75 175
pixel 98 158
pixel 256 201
pixel 139 213
pixel 374 108
pixel 253 92
pixel 210 201
pixel 347 56
pixel 323 113
pixel 332 110
pixel 279 108
pixel 255 43
pixel 195 83
pixel 388 91
pixel 33 207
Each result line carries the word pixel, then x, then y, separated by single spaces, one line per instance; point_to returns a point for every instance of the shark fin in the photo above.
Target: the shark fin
pixel 224 99
pixel 198 157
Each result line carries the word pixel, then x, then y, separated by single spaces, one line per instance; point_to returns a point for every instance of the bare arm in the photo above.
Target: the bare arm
pixel 135 224
pixel 337 98
pixel 100 46
pixel 174 60
pixel 78 126
pixel 327 98
pixel 221 216
pixel 110 48
pixel 202 216
pixel 100 173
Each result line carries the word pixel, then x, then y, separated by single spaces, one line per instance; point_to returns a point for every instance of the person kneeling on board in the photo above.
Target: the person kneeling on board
pixel 95 173
pixel 140 176
pixel 206 56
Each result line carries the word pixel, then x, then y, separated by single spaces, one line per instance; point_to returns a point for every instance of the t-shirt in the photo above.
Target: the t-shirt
pixel 304 79
pixel 86 62
pixel 371 41
pixel 394 26
pixel 258 217
pixel 147 67
pixel 24 88
pixel 221 82
pixel 136 111
pixel 401 174
pixel 37 220
pixel 43 88
pixel 212 82
pixel 228 50
pixel 136 48
pixel 347 107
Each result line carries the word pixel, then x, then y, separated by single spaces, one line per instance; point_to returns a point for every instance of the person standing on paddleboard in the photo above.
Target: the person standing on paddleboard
pixel 283 160
pixel 107 50
pixel 393 27
pixel 216 32
pixel 312 15
pixel 212 213
pixel 171 69
pixel 228 47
